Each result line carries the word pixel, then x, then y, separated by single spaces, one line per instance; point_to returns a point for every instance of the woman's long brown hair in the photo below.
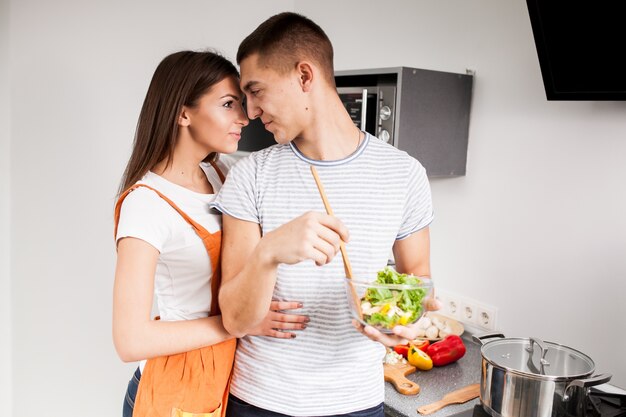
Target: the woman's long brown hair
pixel 179 80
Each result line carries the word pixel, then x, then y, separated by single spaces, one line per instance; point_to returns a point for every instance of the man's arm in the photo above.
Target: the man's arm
pixel 412 255
pixel 249 262
pixel 249 297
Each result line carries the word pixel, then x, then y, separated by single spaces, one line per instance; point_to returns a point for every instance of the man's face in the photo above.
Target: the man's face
pixel 278 99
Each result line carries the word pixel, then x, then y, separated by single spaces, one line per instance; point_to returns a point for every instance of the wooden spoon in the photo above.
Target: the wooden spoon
pixel 455 397
pixel 342 247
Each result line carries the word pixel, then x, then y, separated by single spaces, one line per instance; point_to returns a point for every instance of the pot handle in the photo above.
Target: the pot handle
pixel 481 337
pixel 585 383
pixel 543 349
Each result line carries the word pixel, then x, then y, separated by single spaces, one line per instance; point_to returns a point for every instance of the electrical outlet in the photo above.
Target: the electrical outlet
pixel 454 308
pixel 449 304
pixel 486 316
pixel 466 310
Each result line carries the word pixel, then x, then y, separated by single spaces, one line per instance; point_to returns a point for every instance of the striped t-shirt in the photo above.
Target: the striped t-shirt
pixel 381 194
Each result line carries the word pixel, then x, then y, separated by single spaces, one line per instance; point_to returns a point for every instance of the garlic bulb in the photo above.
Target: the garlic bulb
pixel 432 332
pixel 423 323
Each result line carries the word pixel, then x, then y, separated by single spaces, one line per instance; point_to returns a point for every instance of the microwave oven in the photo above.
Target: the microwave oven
pixel 371 109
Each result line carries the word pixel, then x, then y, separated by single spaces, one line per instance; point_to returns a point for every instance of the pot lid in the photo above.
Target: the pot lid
pixel 533 356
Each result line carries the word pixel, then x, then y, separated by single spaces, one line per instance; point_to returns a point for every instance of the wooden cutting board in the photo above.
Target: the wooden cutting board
pixel 396 374
pixel 455 397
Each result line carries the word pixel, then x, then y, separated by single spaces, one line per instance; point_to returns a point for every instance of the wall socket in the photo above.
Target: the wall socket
pixel 467 310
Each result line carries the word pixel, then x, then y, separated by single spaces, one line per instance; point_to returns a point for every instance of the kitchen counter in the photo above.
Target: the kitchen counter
pixel 436 383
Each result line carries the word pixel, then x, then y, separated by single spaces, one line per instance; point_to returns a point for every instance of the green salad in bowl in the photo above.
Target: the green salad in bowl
pixel 392 299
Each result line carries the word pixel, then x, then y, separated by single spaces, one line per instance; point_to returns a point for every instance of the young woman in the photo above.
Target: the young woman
pixel 168 242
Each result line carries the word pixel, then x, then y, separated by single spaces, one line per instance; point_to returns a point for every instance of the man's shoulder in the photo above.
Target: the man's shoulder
pixel 269 156
pixel 268 153
pixel 387 153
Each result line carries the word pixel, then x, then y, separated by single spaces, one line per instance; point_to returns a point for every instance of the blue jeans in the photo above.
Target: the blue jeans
pixel 240 408
pixel 131 394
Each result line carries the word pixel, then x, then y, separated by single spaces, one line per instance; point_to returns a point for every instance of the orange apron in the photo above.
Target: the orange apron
pixel 195 383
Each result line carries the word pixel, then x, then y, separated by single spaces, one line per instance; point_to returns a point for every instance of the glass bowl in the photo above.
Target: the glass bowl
pixel 385 305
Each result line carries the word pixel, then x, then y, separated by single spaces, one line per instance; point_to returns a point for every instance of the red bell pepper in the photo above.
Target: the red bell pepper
pixel 421 344
pixel 402 350
pixel 446 351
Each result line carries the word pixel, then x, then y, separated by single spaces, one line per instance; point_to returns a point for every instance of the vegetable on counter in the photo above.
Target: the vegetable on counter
pixel 419 359
pixel 446 351
pixel 404 349
pixel 421 344
pixel 393 358
pixel 433 328
pixel 388 308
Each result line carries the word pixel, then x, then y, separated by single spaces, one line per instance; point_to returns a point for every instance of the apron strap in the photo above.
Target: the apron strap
pixel 201 231
pixel 212 242
pixel 219 171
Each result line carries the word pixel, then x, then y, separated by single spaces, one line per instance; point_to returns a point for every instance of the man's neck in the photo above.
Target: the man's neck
pixel 331 135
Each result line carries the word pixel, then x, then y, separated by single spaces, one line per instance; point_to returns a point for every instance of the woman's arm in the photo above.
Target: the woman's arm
pixel 135 335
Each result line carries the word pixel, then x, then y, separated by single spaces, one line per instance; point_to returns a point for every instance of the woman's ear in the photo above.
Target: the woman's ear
pixel 305 72
pixel 183 118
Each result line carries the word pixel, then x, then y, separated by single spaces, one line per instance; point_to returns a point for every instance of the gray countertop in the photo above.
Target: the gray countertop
pixel 436 383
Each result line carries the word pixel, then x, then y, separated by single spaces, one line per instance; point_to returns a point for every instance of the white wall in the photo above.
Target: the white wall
pixel 534 228
pixel 6 370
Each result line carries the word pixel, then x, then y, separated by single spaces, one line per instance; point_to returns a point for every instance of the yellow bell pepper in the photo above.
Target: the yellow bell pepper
pixel 404 319
pixel 419 359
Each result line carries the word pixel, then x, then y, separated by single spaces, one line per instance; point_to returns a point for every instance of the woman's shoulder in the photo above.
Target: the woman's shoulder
pixel 144 200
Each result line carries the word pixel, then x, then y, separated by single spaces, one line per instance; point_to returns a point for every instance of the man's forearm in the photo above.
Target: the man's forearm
pixel 245 298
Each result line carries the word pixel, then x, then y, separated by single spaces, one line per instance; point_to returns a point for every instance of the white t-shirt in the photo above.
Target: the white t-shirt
pixel 381 194
pixel 182 283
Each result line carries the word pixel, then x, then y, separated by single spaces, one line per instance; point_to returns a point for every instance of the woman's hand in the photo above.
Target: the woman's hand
pixel 276 323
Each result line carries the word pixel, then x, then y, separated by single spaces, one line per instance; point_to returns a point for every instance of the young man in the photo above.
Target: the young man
pixel 279 245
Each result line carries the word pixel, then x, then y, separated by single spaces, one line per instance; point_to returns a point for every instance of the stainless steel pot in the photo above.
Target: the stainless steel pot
pixel 527 377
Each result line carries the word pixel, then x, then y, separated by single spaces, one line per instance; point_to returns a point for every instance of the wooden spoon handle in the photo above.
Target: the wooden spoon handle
pixel 431 408
pixel 329 211
pixel 459 396
pixel 346 262
pixel 342 246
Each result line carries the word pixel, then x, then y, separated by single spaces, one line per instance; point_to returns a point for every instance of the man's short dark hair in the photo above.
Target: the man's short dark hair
pixel 287 38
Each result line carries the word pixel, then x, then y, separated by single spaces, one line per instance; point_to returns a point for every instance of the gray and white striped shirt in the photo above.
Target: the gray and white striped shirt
pixel 381 194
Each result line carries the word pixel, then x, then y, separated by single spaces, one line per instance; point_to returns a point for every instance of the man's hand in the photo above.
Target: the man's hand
pixel 401 334
pixel 313 235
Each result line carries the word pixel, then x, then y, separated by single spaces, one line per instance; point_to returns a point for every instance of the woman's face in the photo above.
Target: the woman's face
pixel 218 117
